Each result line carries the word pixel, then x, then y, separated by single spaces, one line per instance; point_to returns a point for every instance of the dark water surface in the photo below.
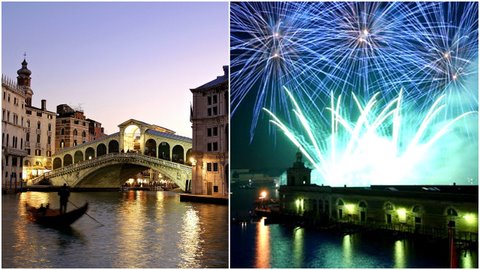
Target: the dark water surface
pixel 278 246
pixel 141 229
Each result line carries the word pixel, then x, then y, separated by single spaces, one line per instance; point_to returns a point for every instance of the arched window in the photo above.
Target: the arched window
pixel 62 131
pixel 84 134
pixel 38 125
pixel 75 132
pixel 49 127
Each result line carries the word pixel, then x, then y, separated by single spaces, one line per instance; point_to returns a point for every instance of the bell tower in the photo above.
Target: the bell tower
pixel 298 174
pixel 24 80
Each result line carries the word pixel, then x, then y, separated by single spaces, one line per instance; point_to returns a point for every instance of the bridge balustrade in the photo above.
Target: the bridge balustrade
pixel 105 159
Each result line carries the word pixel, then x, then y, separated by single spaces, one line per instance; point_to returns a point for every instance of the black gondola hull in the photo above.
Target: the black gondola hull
pixel 57 220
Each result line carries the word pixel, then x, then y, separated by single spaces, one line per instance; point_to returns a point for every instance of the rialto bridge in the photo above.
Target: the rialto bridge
pixel 111 160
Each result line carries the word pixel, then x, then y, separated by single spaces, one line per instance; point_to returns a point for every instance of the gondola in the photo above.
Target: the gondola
pixel 53 218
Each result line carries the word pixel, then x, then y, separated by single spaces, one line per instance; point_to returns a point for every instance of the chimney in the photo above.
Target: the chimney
pixel 44 105
pixel 225 70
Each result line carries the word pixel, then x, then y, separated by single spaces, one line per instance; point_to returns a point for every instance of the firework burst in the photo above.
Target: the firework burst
pixel 383 145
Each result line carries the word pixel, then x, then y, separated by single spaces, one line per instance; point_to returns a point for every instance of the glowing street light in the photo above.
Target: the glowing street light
pixel 263 195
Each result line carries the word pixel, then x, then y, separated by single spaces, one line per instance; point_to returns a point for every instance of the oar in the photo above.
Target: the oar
pixel 87 214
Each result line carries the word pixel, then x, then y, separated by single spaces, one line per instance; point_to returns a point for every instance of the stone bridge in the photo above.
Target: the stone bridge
pixel 112 170
pixel 111 160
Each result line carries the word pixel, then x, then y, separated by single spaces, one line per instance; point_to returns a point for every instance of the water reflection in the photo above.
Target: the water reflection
pixel 399 254
pixel 298 242
pixel 467 260
pixel 190 239
pixel 263 245
pixel 347 250
pixel 141 230
pixel 131 221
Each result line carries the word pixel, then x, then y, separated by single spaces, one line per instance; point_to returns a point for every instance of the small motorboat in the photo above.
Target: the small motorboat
pixel 53 217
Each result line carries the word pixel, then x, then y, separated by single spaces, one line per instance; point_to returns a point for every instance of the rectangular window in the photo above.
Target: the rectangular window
pixel 209 167
pixel 215 131
pixel 76 122
pixel 39 114
pixel 209 111
pixel 209 147
pixel 214 99
pixel 27 138
pixel 215 188
pixel 209 132
pixel 215 146
pixel 209 100
pixel 215 111
pixel 6 161
pixel 215 167
pixel 14 161
pixel 28 152
pixel 29 112
pixel 49 140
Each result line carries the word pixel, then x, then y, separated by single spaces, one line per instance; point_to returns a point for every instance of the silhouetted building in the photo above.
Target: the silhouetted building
pixel 415 209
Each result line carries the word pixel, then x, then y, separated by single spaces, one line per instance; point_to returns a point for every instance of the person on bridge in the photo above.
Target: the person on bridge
pixel 64 193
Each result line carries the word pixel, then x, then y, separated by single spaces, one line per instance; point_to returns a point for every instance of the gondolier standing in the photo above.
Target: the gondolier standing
pixel 64 193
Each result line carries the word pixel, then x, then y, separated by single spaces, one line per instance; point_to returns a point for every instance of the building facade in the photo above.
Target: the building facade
pixel 209 117
pixel 13 133
pixel 414 209
pixel 39 140
pixel 73 128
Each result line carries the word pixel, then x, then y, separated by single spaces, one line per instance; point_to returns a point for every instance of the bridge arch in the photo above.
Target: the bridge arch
pixel 113 147
pixel 101 150
pixel 178 154
pixel 188 157
pixel 67 160
pixel 164 151
pixel 89 153
pixel 57 163
pixel 131 136
pixel 78 157
pixel 150 148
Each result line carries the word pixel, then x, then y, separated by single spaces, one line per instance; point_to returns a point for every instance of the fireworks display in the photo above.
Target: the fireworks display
pixel 341 61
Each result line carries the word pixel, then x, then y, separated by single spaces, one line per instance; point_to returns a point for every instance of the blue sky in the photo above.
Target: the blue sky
pixel 118 60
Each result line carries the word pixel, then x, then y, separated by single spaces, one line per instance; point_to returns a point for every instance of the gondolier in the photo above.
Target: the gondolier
pixel 64 193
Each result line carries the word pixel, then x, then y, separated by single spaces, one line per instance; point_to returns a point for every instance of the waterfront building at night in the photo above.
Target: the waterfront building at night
pixel 209 117
pixel 422 209
pixel 73 128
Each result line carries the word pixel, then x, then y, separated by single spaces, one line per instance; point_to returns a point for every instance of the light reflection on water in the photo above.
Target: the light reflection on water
pixel 294 247
pixel 347 250
pixel 141 229
pixel 400 254
pixel 263 245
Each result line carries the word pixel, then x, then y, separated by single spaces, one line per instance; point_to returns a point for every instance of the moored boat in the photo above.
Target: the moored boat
pixel 53 217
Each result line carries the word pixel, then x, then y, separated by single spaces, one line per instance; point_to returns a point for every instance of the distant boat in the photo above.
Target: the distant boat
pixel 53 218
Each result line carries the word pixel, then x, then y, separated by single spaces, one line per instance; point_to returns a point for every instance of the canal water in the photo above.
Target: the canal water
pixel 141 229
pixel 254 244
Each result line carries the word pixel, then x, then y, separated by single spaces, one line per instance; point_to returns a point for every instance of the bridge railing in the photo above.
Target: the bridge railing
pixel 105 159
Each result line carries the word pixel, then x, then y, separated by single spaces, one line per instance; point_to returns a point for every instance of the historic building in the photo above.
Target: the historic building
pixel 73 128
pixel 27 131
pixel 209 117
pixel 39 139
pixel 415 209
pixel 13 133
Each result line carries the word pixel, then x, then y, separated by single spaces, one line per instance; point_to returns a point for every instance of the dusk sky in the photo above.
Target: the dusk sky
pixel 118 60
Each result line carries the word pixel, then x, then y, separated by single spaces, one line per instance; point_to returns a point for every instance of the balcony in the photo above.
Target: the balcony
pixel 15 152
